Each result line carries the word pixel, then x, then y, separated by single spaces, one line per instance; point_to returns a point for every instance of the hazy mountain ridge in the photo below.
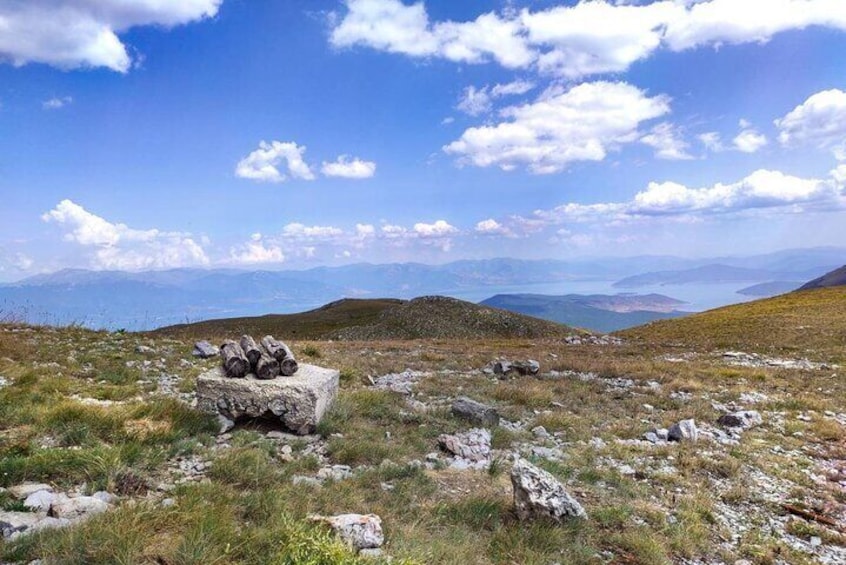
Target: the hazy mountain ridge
pixel 716 273
pixel 143 300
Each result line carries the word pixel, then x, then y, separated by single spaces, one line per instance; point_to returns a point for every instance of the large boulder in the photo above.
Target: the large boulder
pixel 361 531
pixel 298 401
pixel 476 412
pixel 683 431
pixel 473 445
pixel 539 494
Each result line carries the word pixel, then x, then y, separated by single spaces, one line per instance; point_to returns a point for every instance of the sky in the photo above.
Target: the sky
pixel 268 134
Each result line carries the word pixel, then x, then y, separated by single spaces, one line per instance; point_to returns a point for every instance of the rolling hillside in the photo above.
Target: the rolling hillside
pixel 804 323
pixel 356 319
pixel 836 277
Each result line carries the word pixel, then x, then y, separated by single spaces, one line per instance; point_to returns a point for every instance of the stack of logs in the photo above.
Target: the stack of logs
pixel 271 359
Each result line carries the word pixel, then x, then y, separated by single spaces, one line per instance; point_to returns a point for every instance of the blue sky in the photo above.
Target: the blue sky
pixel 140 134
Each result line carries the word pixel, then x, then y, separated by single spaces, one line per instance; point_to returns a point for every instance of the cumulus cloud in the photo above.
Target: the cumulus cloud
pixel 71 34
pixel 492 227
pixel 56 103
pixel 668 142
pixel 257 251
pixel 117 246
pixel 392 26
pixel 820 121
pixel 350 168
pixel 476 101
pixel 762 191
pixel 301 231
pixel 712 141
pixel 580 124
pixel 264 163
pixel 749 140
pixel 572 41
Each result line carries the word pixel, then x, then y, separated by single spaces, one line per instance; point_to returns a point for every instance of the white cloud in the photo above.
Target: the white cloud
pixel 820 121
pixel 71 34
pixel 256 251
pixel 438 229
pixel 263 163
pixel 667 141
pixel 346 167
pixel 391 25
pixel 716 22
pixel 476 101
pixel 301 231
pixel 492 227
pixel 590 37
pixel 749 140
pixel 117 246
pixel 763 191
pixel 55 103
pixel 712 141
pixel 597 37
pixel 580 124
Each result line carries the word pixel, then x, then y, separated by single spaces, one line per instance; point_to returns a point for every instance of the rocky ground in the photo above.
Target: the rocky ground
pixel 653 455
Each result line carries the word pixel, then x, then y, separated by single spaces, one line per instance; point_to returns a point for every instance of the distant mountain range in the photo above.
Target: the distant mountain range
pixel 718 273
pixel 598 312
pixel 837 277
pixel 145 300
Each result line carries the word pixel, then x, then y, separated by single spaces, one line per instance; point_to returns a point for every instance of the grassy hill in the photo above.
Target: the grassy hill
pixel 314 324
pixel 836 277
pixel 803 323
pixel 358 319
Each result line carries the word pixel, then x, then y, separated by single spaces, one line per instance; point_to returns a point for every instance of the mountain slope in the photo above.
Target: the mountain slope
pixel 601 313
pixel 836 277
pixel 359 319
pixel 811 322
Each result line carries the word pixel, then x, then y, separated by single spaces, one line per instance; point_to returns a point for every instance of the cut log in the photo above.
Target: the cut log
pixel 267 367
pixel 282 353
pixel 475 412
pixel 251 350
pixel 235 363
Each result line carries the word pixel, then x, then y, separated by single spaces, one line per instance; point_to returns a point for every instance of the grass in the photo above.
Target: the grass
pixel 248 511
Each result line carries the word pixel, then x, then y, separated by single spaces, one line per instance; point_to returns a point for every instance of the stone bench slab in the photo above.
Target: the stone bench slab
pixel 299 401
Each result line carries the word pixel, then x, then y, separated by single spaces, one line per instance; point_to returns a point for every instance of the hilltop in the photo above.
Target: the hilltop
pixel 810 322
pixel 836 277
pixel 360 319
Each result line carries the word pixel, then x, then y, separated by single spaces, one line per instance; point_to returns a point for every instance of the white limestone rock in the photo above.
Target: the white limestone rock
pixel 298 401
pixel 539 494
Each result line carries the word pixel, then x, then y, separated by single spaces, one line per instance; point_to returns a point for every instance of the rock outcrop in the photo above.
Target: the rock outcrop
pixel 537 494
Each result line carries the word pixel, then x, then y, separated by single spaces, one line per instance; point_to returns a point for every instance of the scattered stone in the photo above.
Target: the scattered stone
pixel 144 350
pixel 753 397
pixel 539 494
pixel 504 368
pixel 41 500
pixel 299 401
pixel 744 419
pixel 401 383
pixel 79 507
pixel 683 431
pixel 540 432
pixel 361 531
pixel 168 502
pixel 334 473
pixel 205 350
pixel 371 552
pixel 23 490
pixel 472 449
pixel 476 412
